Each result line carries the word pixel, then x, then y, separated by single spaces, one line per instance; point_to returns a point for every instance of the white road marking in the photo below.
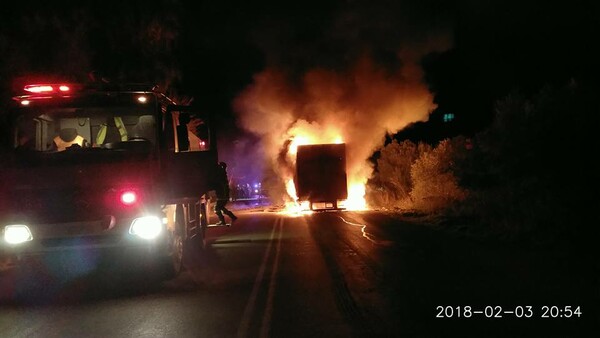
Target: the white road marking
pixel 251 305
pixel 266 322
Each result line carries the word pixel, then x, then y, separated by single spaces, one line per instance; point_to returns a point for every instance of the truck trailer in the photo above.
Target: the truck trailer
pixel 320 176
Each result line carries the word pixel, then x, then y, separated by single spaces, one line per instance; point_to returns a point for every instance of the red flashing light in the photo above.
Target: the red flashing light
pixel 128 197
pixel 47 88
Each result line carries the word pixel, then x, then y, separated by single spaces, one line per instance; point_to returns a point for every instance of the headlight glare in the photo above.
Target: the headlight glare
pixel 147 227
pixel 17 234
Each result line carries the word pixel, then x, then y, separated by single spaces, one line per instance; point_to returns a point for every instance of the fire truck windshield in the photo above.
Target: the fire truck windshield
pixel 58 129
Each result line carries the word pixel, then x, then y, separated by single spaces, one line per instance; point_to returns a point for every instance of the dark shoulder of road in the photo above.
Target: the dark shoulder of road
pixel 438 279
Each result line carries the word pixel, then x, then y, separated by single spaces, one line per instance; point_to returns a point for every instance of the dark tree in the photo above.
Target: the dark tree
pixel 132 41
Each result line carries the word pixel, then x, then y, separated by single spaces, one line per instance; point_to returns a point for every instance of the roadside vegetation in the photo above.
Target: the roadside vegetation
pixel 529 175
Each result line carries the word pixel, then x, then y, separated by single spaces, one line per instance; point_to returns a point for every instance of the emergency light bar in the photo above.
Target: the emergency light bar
pixel 47 88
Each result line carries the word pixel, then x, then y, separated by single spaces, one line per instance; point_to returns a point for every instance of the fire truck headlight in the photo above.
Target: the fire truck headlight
pixel 147 227
pixel 17 234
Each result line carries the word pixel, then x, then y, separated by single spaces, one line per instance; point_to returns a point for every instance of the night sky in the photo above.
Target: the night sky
pixel 299 36
pixel 472 52
pixel 489 47
pixel 485 49
pixel 477 52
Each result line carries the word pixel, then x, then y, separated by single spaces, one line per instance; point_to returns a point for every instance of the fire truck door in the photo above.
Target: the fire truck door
pixel 189 152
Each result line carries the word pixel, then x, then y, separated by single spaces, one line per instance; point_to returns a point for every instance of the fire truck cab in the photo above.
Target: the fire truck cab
pixel 110 172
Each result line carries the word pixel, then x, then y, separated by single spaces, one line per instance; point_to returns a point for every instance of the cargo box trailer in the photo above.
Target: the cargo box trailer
pixel 321 176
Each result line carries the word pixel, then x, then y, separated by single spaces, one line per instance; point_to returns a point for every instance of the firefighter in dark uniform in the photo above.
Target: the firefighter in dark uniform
pixel 222 192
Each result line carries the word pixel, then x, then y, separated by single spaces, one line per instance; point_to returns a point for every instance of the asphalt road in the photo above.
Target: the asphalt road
pixel 333 274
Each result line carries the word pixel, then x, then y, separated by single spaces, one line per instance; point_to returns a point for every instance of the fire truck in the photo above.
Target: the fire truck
pixel 320 177
pixel 110 172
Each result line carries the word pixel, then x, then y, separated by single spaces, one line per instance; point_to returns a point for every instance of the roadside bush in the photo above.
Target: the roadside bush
pixel 391 183
pixel 418 176
pixel 435 185
pixel 531 174
pixel 535 165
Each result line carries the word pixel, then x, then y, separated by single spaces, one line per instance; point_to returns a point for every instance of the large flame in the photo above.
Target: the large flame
pixel 358 107
pixel 290 187
pixel 303 133
pixel 293 207
pixel 356 196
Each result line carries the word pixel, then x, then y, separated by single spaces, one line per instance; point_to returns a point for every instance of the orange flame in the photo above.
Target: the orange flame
pixel 290 187
pixel 356 197
pixel 305 133
pixel 294 207
pixel 357 107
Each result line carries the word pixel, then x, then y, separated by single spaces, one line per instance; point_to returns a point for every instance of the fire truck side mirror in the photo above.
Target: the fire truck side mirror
pixel 182 138
pixel 182 131
pixel 176 135
pixel 188 129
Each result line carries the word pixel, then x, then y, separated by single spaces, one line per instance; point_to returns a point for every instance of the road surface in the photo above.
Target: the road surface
pixel 331 274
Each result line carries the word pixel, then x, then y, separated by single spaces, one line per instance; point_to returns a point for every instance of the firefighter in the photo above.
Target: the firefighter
pixel 222 192
pixel 69 137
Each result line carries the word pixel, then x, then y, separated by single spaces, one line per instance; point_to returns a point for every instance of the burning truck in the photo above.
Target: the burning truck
pixel 320 177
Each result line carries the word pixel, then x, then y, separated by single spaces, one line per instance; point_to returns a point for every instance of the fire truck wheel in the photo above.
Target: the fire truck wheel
pixel 203 225
pixel 176 264
pixel 173 265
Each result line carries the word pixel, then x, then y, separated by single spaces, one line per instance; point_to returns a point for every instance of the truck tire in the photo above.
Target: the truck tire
pixel 173 264
pixel 203 217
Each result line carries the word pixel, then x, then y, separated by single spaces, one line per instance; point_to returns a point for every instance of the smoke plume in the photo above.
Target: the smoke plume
pixel 359 101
